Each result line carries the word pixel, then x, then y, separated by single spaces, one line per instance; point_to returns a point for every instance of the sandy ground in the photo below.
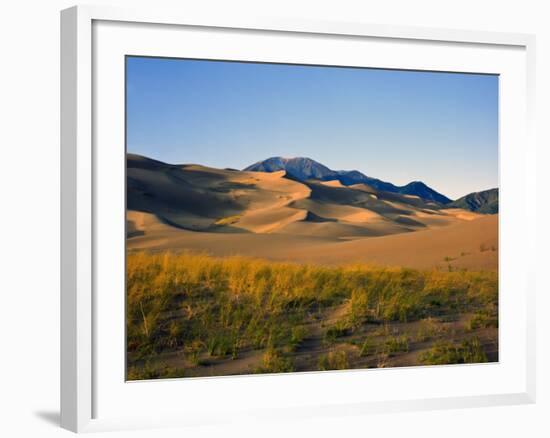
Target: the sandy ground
pixel 267 215
pixel 472 245
pixel 306 356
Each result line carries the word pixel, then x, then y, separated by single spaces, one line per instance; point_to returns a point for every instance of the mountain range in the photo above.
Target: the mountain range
pixel 303 169
pixel 481 202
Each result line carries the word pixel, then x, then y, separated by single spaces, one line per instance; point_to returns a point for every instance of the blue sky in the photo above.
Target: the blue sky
pixel 399 126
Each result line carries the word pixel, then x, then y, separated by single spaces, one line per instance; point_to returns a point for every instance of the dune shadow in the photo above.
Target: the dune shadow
pixel 227 229
pixel 408 221
pixel 228 186
pixel 135 233
pixel 312 217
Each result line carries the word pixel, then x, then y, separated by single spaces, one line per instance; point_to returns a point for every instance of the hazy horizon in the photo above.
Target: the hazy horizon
pixel 397 126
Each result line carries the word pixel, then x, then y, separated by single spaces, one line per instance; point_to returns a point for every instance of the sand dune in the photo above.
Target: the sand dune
pixel 347 213
pixel 472 245
pixel 333 183
pixel 268 220
pixel 227 212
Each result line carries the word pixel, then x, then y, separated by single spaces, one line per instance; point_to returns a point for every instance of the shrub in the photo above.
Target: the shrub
pixel 229 220
pixel 193 351
pixel 221 345
pixel 367 348
pixel 396 344
pixel 483 319
pixel 274 362
pixel 148 371
pixel 429 328
pixel 297 335
pixel 339 330
pixel 334 360
pixel 361 309
pixel 469 351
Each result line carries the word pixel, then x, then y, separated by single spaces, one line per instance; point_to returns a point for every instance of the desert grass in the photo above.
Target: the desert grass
pixel 204 308
pixel 442 353
pixel 333 360
pixel 229 220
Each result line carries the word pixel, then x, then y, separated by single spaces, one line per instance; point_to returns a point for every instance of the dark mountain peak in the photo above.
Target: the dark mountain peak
pixel 485 201
pixel 354 174
pixel 415 184
pixel 272 162
pixel 420 189
pixel 303 168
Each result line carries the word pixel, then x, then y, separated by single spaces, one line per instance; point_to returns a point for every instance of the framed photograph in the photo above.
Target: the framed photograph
pixel 275 218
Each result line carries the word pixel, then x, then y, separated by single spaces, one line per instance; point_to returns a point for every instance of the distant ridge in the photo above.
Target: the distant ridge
pixel 303 169
pixel 480 202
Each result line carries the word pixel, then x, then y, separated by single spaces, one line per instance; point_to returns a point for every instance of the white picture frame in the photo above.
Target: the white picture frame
pixel 84 371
